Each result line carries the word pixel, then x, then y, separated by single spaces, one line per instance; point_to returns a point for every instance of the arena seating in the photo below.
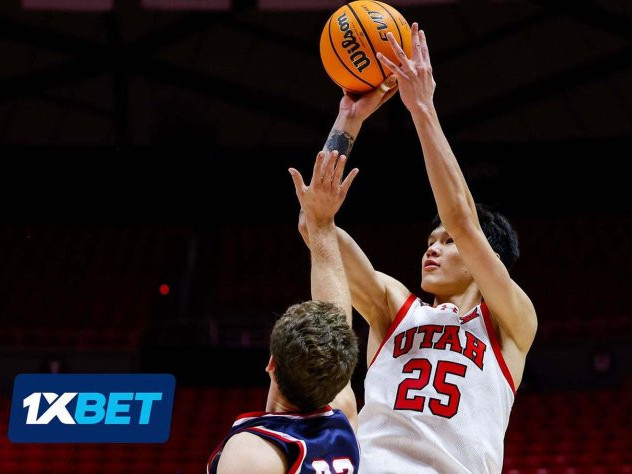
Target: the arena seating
pixel 570 433
pixel 99 283
pixel 559 272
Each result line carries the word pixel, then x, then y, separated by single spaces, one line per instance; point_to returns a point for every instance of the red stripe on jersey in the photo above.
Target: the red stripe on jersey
pixel 251 414
pixel 274 434
pixel 256 414
pixel 496 346
pixel 398 319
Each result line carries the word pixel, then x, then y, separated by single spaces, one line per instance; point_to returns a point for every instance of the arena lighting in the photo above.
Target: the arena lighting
pixel 208 5
pixel 334 4
pixel 69 5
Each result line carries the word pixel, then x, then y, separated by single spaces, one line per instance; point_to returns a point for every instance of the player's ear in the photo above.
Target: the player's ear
pixel 271 365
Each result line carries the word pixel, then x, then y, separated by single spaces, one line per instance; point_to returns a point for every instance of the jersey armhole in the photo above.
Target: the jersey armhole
pixel 396 322
pixel 491 333
pixel 293 449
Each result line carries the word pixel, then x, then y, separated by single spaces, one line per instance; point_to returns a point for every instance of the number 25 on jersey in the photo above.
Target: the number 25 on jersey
pixel 417 402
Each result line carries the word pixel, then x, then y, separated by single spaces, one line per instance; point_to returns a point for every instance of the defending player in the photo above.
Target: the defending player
pixel 313 354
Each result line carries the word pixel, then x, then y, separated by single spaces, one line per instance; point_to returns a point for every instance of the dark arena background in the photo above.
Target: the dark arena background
pixel 148 221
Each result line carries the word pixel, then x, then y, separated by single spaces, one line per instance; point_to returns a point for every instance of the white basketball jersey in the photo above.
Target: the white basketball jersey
pixel 438 395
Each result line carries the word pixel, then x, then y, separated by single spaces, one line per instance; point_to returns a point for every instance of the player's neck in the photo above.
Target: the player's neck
pixel 465 301
pixel 276 401
pixel 280 405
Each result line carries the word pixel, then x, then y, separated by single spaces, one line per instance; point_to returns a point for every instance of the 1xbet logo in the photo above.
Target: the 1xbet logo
pixel 91 408
pixel 129 408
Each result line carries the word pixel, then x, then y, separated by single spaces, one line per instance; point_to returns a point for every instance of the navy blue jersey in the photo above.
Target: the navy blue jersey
pixel 319 442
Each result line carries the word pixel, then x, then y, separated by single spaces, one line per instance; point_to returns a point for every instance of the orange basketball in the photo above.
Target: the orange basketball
pixel 351 39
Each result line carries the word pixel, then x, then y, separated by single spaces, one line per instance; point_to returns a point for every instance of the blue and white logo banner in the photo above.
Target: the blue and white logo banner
pixel 91 408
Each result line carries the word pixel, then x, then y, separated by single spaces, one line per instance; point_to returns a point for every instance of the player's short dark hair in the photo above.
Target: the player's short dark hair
pixel 315 352
pixel 499 232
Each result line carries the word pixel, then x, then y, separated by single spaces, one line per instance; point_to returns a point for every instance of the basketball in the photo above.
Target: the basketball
pixel 352 37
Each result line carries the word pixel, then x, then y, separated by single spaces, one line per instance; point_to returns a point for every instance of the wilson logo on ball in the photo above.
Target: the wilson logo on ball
pixel 349 42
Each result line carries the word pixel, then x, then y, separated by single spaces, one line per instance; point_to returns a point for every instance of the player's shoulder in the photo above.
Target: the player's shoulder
pixel 325 425
pixel 247 452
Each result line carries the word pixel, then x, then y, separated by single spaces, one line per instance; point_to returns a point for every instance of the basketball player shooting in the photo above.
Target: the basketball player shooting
pixel 313 354
pixel 441 378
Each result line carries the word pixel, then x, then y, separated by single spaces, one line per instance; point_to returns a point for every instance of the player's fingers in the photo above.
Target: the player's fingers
pixel 388 95
pixel 299 185
pixel 340 167
pixel 399 52
pixel 344 187
pixel 390 81
pixel 388 84
pixel 376 94
pixel 330 167
pixel 395 69
pixel 416 42
pixel 423 45
pixel 318 167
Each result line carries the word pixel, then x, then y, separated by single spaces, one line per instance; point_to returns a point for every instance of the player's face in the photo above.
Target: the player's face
pixel 442 269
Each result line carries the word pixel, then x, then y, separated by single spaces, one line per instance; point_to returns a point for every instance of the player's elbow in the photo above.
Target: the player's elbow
pixel 458 218
pixel 461 226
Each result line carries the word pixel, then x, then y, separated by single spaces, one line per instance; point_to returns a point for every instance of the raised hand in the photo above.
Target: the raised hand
pixel 414 75
pixel 361 106
pixel 353 111
pixel 321 200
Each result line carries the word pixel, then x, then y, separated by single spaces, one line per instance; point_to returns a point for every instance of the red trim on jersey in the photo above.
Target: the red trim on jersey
pixel 398 319
pixel 496 346
pixel 274 434
pixel 255 414
pixel 212 457
pixel 251 414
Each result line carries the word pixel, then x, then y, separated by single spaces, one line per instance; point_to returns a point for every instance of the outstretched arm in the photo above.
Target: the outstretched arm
pixel 376 296
pixel 510 306
pixel 353 111
pixel 320 201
